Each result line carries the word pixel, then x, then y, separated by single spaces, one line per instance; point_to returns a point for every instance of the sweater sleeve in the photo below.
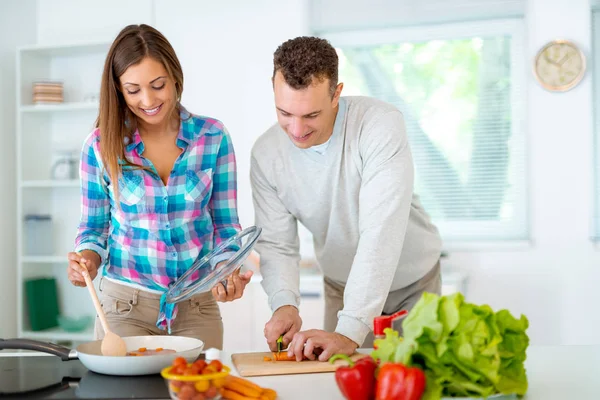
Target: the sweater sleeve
pixel 385 198
pixel 278 244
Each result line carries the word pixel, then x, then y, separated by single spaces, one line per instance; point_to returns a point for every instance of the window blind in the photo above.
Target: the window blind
pixel 460 87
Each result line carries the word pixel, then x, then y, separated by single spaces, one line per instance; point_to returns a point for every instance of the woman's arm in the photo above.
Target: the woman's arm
pixel 92 232
pixel 223 202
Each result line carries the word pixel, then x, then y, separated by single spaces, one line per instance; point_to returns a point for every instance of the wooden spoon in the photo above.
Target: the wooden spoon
pixel 112 344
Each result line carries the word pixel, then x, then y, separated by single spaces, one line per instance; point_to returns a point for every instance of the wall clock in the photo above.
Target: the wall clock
pixel 559 65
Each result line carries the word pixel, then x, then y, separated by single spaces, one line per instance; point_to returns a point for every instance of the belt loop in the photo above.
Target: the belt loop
pixel 135 297
pixel 100 284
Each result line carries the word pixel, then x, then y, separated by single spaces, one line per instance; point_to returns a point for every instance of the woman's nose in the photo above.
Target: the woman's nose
pixel 147 99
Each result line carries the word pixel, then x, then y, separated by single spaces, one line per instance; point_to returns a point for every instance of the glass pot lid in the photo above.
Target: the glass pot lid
pixel 214 267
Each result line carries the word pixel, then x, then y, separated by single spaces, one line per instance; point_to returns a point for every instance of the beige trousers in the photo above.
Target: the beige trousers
pixel 133 312
pixel 401 299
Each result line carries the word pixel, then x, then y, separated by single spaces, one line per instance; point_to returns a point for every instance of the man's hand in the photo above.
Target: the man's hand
pixel 234 289
pixel 308 343
pixel 285 321
pixel 79 262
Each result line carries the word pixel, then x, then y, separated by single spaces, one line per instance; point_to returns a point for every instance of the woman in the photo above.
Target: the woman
pixel 158 189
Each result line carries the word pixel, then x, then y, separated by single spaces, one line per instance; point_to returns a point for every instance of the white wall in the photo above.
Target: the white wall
pixel 226 50
pixel 71 21
pixel 18 28
pixel 552 282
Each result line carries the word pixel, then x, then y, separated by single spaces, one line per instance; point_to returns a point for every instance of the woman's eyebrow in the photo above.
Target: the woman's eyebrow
pixel 152 81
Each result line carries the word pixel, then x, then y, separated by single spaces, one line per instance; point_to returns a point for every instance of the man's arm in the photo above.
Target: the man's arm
pixel 385 198
pixel 278 245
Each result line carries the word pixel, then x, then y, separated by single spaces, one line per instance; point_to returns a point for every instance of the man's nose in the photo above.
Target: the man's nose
pixel 297 127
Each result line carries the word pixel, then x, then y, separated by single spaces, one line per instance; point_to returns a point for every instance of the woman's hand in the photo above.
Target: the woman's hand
pixel 79 262
pixel 233 288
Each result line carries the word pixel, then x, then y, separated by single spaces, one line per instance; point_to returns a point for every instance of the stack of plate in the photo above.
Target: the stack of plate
pixel 47 92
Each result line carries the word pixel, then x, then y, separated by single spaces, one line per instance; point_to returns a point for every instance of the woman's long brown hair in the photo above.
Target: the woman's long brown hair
pixel 115 119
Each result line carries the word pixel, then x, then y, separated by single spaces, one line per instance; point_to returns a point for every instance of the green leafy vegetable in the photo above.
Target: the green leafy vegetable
pixel 464 349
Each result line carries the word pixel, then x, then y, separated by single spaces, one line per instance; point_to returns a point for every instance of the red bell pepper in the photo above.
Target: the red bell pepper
pixel 357 380
pixel 398 382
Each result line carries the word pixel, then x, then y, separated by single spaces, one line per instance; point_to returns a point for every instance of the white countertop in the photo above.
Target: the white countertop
pixel 554 373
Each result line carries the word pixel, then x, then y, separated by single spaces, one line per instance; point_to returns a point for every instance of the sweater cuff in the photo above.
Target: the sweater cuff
pixel 283 298
pixel 353 329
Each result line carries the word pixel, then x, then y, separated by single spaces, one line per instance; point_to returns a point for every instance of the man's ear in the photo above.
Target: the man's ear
pixel 337 94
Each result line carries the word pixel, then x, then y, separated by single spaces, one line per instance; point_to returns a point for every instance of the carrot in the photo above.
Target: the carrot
pixel 268 394
pixel 142 349
pixel 267 359
pixel 242 389
pixel 231 395
pixel 244 382
pixel 283 356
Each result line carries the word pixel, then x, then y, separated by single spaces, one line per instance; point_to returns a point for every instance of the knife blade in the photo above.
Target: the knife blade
pixel 279 344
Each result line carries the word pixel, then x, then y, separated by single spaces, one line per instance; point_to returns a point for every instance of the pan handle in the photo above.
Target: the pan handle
pixel 64 353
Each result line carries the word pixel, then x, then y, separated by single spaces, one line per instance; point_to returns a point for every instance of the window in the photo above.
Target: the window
pixel 460 87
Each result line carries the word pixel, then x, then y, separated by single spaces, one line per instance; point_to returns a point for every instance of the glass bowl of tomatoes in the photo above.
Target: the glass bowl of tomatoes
pixel 196 381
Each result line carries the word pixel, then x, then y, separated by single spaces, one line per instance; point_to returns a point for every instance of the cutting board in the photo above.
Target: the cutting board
pixel 253 364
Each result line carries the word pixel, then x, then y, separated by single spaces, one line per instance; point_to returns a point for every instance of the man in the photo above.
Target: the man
pixel 341 166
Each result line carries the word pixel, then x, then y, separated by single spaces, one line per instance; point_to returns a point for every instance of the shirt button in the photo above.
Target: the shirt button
pixel 173 255
pixel 167 225
pixel 165 198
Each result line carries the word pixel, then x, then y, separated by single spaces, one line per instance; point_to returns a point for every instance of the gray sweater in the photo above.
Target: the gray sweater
pixel 370 232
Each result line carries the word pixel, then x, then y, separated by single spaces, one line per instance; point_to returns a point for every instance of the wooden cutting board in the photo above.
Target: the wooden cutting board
pixel 253 364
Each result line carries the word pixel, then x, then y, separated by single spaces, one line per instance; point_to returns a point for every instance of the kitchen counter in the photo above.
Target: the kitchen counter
pixel 554 373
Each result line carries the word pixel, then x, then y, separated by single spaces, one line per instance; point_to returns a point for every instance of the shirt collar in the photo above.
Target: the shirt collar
pixel 184 137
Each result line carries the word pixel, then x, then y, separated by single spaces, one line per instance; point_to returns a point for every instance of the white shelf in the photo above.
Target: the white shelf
pixel 73 106
pixel 55 334
pixel 67 183
pixel 44 259
pixel 44 134
pixel 66 49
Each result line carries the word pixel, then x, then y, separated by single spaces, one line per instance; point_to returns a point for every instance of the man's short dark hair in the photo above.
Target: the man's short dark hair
pixel 305 58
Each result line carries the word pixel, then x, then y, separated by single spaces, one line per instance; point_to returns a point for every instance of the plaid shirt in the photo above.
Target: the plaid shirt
pixel 159 231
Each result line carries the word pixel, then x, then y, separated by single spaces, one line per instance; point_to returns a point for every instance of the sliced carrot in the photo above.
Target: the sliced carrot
pixel 283 356
pixel 159 349
pixel 267 359
pixel 142 349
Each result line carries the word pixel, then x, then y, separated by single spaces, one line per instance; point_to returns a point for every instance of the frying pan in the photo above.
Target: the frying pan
pixel 91 357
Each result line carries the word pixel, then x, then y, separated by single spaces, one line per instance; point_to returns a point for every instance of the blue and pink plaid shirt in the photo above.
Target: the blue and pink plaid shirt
pixel 159 231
